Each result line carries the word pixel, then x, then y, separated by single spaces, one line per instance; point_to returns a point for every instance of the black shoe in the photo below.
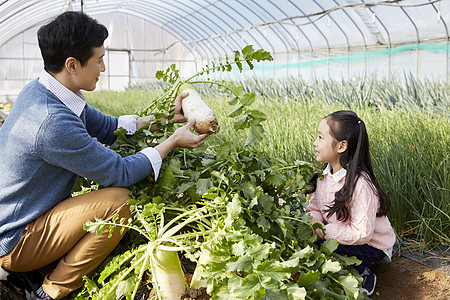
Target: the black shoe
pixel 369 282
pixel 10 292
pixel 34 296
pixel 27 281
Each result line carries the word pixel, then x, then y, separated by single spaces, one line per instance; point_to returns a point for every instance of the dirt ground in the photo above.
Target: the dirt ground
pixel 405 279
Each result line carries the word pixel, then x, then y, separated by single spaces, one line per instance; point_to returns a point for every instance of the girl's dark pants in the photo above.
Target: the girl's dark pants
pixel 367 254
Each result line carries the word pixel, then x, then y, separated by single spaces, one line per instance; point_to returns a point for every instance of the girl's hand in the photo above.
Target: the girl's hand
pixel 319 231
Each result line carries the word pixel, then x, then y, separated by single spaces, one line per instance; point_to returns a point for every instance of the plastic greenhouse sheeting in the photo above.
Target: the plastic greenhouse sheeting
pixel 308 38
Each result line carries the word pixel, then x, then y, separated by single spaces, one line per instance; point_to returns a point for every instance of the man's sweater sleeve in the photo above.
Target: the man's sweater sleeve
pixel 100 125
pixel 63 141
pixel 103 126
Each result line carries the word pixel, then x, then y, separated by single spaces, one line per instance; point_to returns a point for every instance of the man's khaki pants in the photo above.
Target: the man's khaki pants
pixel 58 235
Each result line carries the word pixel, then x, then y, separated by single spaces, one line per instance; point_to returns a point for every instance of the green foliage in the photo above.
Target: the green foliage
pixel 244 116
pixel 408 128
pixel 409 141
pixel 240 206
pixel 247 207
pixel 244 265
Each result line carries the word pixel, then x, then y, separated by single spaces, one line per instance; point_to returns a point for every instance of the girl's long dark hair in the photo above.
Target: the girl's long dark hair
pixel 346 125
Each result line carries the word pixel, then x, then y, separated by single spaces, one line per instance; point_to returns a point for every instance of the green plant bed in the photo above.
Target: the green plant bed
pixel 233 209
pixel 409 141
pixel 235 206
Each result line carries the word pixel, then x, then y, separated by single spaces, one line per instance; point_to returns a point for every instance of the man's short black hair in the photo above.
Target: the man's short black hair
pixel 71 34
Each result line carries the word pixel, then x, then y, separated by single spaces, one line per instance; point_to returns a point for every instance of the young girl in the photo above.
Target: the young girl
pixel 348 201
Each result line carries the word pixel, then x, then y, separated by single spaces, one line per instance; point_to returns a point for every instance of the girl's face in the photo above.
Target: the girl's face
pixel 328 149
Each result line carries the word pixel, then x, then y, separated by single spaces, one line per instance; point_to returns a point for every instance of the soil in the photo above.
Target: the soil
pixel 405 279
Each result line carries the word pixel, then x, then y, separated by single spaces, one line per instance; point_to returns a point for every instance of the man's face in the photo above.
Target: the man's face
pixel 89 74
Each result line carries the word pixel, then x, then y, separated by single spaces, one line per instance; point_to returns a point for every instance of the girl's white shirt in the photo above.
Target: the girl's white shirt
pixel 336 176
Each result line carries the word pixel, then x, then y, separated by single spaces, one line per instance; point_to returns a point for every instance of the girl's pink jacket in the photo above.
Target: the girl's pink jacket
pixel 363 226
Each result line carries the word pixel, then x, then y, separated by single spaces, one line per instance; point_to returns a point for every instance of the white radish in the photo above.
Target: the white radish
pixel 195 108
pixel 168 274
pixel 197 280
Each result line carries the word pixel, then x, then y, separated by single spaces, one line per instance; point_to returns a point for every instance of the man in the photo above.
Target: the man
pixel 51 137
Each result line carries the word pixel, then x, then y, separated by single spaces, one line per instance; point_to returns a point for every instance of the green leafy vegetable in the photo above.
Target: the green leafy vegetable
pixel 235 212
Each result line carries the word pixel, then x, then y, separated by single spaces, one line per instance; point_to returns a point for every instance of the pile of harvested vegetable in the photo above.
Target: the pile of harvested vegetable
pixel 234 213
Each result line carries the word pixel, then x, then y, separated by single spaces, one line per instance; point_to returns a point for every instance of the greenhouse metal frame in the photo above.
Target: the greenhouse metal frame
pixel 312 39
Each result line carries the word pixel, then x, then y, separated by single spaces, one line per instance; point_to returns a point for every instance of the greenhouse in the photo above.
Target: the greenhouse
pixel 257 183
pixel 310 39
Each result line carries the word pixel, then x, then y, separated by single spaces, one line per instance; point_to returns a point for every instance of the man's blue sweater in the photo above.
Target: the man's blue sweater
pixel 44 147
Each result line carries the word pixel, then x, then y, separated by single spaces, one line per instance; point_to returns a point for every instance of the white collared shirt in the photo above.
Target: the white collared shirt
pixel 77 102
pixel 336 176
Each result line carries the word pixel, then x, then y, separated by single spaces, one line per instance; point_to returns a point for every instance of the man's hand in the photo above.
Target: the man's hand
pixel 177 118
pixel 182 137
pixel 143 121
pixel 187 139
